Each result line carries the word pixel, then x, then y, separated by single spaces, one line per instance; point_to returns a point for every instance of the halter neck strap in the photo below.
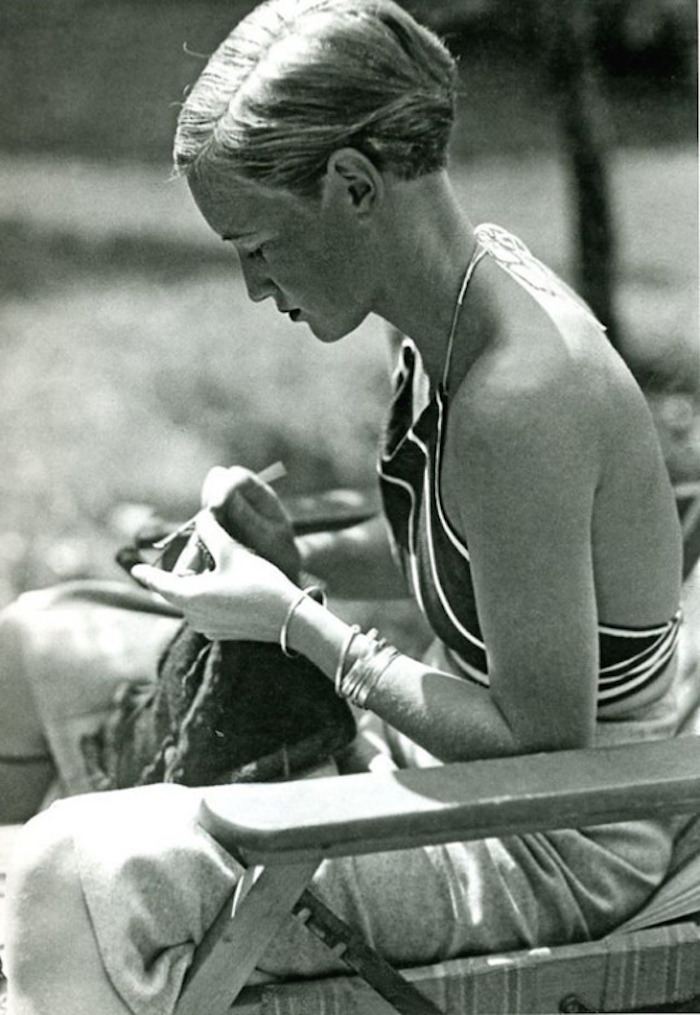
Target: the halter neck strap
pixel 479 252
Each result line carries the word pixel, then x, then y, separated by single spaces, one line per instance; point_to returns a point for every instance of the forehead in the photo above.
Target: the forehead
pixel 235 208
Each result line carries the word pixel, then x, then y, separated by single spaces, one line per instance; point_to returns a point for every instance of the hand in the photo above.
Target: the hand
pixel 252 513
pixel 244 596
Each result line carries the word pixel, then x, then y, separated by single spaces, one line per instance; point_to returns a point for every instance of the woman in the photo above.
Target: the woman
pixel 530 514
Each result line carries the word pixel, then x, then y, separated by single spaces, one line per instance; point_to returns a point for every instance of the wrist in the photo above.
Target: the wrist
pixel 310 591
pixel 317 633
pixel 310 580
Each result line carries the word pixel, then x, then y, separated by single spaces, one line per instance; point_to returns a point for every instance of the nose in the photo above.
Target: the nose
pixel 257 282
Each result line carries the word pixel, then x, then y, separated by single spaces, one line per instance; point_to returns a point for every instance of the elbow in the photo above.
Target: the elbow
pixel 549 730
pixel 555 740
pixel 554 736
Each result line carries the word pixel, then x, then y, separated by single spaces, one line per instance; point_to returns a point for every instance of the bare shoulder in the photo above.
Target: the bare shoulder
pixel 535 379
pixel 514 404
pixel 550 436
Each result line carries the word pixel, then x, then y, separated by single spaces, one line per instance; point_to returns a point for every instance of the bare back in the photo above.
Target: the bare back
pixel 547 363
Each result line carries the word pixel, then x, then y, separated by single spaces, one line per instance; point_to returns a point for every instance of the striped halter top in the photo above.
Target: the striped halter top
pixel 432 555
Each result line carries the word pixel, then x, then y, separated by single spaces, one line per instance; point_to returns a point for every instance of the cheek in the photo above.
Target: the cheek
pixel 343 261
pixel 322 273
pixel 325 263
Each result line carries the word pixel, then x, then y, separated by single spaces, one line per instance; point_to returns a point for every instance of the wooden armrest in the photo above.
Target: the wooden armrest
pixel 291 822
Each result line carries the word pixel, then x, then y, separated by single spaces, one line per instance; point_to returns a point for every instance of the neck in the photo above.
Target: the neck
pixel 427 244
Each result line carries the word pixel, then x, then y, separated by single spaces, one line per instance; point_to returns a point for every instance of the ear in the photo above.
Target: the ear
pixel 354 180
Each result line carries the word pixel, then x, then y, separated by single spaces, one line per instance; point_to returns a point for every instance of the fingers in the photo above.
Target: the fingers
pixel 219 483
pixel 261 497
pixel 166 584
pixel 192 559
pixel 214 536
pixel 241 486
pixel 246 522
pixel 208 540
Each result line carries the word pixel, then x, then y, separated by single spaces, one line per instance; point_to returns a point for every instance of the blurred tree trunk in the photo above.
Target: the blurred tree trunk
pixel 568 24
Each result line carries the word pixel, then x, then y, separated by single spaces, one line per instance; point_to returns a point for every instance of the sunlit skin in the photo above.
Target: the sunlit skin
pixel 548 468
pixel 546 441
pixel 290 251
pixel 551 474
pixel 332 260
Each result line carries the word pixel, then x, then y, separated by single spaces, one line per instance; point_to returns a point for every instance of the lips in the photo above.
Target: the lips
pixel 294 313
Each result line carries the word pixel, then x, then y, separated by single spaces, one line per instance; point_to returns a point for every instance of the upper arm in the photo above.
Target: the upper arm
pixel 525 476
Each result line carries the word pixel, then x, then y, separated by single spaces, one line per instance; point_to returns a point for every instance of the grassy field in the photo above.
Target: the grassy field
pixel 132 361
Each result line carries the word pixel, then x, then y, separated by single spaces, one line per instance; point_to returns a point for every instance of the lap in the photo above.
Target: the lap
pixel 136 850
pixel 68 650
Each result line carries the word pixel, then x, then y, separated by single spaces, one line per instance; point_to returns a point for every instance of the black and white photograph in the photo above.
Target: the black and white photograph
pixel 350 514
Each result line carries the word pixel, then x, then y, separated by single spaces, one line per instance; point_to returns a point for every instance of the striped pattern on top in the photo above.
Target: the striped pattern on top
pixel 435 559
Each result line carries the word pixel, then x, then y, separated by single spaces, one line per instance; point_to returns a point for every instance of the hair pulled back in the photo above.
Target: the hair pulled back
pixel 298 79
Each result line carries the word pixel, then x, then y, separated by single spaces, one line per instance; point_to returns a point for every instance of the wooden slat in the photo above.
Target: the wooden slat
pixel 624 972
pixel 285 822
pixel 230 951
pixel 348 944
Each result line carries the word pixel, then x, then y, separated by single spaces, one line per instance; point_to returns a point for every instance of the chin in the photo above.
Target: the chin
pixel 324 333
pixel 332 331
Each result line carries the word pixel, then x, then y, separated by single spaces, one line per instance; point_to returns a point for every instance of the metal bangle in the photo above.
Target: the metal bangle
pixel 313 592
pixel 349 638
pixel 363 692
pixel 366 672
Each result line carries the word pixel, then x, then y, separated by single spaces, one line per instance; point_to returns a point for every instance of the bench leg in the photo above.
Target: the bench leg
pixel 246 925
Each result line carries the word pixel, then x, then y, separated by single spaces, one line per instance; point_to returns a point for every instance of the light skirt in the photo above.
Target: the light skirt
pixel 154 881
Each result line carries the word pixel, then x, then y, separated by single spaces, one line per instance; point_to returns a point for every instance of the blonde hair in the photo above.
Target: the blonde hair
pixel 297 79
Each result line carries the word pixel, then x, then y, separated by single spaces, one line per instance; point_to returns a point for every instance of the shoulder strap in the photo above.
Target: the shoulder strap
pixel 479 252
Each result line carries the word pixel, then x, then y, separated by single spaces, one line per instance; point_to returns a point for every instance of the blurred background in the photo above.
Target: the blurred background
pixel 130 360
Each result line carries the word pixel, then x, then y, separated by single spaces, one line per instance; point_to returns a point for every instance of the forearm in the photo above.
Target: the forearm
pixel 451 718
pixel 356 563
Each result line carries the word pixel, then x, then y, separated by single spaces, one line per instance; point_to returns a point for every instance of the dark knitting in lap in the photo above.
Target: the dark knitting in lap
pixel 219 712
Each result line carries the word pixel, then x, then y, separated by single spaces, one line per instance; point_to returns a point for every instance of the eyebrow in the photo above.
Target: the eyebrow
pixel 227 237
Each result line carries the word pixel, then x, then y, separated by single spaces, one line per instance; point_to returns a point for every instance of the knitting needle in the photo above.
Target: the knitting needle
pixel 270 474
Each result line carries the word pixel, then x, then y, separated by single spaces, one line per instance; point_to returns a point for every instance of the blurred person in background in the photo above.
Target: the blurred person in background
pixel 527 508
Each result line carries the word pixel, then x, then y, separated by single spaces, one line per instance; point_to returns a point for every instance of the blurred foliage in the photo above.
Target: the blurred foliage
pixel 131 361
pixel 650 37
pixel 104 77
pixel 656 38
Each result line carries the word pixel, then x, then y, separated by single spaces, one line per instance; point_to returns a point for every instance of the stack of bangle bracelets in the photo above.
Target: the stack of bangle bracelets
pixel 364 674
